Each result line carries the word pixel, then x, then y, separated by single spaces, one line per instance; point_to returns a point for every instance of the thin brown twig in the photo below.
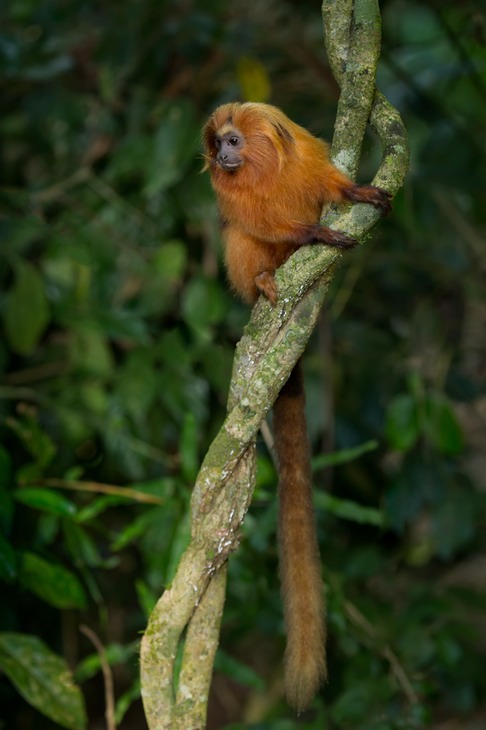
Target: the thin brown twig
pixel 37 373
pixel 107 676
pixel 100 488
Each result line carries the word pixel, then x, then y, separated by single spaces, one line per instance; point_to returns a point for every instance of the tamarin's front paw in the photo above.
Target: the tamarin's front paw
pixel 381 199
pixel 378 197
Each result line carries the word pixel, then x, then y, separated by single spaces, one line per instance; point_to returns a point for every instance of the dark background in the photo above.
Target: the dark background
pixel 118 334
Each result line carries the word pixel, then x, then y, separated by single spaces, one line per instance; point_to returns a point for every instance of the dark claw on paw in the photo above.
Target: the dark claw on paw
pixel 372 195
pixel 341 240
pixel 383 202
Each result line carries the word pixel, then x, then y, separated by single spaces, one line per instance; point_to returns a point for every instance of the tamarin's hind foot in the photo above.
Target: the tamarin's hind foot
pixel 265 283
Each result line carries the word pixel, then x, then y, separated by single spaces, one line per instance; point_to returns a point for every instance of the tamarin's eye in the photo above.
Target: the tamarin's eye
pixel 233 141
pixel 217 142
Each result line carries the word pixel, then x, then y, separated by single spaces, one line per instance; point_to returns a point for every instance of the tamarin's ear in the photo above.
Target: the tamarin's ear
pixel 283 142
pixel 283 132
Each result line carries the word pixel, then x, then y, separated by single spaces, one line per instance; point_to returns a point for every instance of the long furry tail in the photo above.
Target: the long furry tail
pixel 300 569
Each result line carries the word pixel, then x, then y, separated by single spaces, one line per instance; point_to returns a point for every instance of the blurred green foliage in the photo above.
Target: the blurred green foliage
pixel 117 340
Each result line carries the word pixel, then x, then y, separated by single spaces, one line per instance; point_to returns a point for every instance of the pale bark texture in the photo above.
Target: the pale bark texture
pixel 191 608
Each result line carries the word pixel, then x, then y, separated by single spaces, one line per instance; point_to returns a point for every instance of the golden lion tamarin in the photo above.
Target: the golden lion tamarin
pixel 272 179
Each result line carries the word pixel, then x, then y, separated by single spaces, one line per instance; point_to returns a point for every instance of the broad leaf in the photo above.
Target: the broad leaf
pixel 343 456
pixel 442 425
pixel 26 310
pixel 43 679
pixel 53 583
pixel 238 671
pixel 402 426
pixel 348 510
pixel 46 500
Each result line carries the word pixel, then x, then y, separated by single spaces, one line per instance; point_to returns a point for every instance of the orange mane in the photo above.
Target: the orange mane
pixel 268 132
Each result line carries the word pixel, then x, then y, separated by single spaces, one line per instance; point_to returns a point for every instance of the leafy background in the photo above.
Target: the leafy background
pixel 117 340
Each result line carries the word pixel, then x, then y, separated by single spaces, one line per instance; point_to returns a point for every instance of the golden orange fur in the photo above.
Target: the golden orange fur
pixel 272 179
pixel 271 205
pixel 300 567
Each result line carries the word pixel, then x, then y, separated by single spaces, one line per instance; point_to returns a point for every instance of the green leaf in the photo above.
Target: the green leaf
pixel 52 583
pixel 39 444
pixel 364 562
pixel 402 425
pixel 26 312
pixel 357 702
pixel 238 671
pixel 100 505
pixel 46 500
pixel 127 699
pixel 134 530
pixel 169 262
pixel 19 234
pixel 131 159
pixel 178 545
pixel 204 303
pixel 189 447
pixel 147 598
pixel 137 383
pixel 43 679
pixel 114 653
pixel 347 510
pixel 442 426
pixel 175 143
pixel 163 277
pixel 89 350
pixel 266 475
pixel 122 324
pixel 217 363
pixel 343 456
pixel 83 549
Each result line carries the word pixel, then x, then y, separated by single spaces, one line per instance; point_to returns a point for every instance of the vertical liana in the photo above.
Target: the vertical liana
pixel 353 43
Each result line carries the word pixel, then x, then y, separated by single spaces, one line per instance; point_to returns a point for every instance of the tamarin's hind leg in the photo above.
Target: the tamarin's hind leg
pixel 369 194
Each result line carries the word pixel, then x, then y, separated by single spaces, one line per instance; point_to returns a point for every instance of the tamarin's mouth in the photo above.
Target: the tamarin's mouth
pixel 229 166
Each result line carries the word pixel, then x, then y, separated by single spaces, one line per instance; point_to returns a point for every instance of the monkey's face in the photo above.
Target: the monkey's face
pixel 228 146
